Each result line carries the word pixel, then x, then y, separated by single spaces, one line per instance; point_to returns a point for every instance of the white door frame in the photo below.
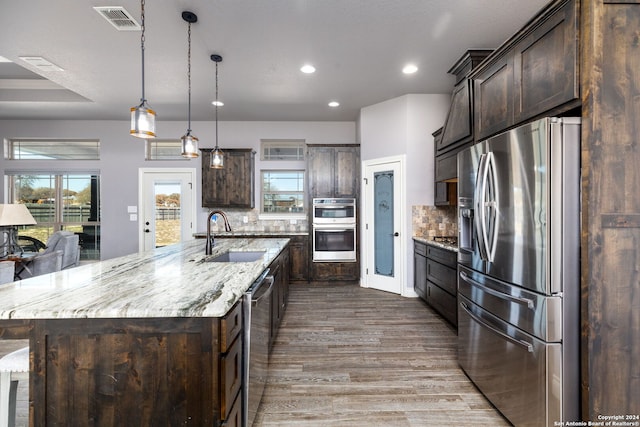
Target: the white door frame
pixel 141 174
pixel 365 242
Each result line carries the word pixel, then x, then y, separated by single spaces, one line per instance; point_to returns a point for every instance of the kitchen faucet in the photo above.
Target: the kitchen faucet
pixel 227 227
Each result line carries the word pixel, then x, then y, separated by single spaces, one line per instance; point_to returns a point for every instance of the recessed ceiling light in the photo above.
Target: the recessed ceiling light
pixel 334 104
pixel 217 103
pixel 409 69
pixel 308 69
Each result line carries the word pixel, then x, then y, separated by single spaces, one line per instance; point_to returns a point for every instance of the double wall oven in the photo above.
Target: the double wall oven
pixel 334 230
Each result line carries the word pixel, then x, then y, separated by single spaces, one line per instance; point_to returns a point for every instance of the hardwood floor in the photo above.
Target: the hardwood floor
pixel 350 356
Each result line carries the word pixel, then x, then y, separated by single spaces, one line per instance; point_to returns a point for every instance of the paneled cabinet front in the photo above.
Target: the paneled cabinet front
pixel 232 186
pixel 333 170
pixel 533 73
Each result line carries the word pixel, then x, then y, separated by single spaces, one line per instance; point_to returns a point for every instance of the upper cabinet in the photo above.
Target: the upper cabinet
pixel 232 186
pixel 534 72
pixel 457 132
pixel 458 127
pixel 333 170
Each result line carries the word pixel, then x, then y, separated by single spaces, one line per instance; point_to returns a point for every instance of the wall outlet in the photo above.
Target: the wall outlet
pixel 293 221
pixel 245 219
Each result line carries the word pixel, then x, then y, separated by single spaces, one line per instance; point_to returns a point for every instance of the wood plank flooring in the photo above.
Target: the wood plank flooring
pixel 350 356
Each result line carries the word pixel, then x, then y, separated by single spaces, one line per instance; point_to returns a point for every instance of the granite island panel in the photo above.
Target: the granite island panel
pixel 173 281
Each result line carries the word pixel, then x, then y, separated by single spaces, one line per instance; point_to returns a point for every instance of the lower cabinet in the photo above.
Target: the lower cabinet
pixel 335 271
pixel 279 269
pixel 231 365
pixel 435 279
pixel 299 259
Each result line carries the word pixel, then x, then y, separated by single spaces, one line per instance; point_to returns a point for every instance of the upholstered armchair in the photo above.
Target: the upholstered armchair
pixel 68 243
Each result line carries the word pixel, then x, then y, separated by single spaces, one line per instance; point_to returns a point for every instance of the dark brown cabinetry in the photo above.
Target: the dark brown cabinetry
pixel 435 278
pixel 446 167
pixel 299 259
pixel 144 371
pixel 534 72
pixel 420 269
pixel 457 132
pixel 230 187
pixel 279 269
pixel 333 170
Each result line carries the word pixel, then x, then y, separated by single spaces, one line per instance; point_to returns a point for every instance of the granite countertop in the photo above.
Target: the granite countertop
pixel 174 281
pixel 430 241
pixel 223 234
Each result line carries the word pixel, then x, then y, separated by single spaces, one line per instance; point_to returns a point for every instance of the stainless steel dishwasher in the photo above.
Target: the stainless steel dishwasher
pixel 257 321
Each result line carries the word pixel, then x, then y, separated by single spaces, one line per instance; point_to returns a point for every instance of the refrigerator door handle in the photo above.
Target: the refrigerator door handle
pixel 492 205
pixel 519 300
pixel 478 200
pixel 478 320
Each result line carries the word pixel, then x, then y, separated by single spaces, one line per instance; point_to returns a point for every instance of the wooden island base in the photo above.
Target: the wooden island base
pixel 142 372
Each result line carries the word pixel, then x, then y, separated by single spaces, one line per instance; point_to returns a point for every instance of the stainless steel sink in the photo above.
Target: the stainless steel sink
pixel 238 256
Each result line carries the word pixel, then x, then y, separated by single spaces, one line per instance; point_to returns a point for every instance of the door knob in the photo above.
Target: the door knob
pixel 396 234
pixel 146 230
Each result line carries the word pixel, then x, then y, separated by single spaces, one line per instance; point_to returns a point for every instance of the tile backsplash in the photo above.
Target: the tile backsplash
pixel 429 221
pixel 254 223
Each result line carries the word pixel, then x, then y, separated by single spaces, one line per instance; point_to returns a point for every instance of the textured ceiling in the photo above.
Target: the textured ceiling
pixel 357 46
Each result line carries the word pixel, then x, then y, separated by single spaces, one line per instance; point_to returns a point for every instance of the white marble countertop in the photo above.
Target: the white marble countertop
pixel 174 281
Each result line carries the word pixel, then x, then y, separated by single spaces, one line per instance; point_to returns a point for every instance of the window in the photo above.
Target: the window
pixel 52 149
pixel 282 192
pixel 289 149
pixel 164 150
pixel 61 201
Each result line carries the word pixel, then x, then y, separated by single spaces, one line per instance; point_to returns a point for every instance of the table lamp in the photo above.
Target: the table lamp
pixel 11 216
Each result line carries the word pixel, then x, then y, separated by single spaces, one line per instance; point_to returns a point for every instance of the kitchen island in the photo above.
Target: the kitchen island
pixel 145 339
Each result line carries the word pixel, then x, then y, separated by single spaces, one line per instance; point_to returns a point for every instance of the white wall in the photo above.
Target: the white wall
pixel 404 125
pixel 122 155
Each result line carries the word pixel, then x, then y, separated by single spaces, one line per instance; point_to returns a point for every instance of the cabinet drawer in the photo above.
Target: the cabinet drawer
pixel 442 302
pixel 443 256
pixel 234 419
pixel 230 377
pixel 230 327
pixel 441 275
pixel 419 248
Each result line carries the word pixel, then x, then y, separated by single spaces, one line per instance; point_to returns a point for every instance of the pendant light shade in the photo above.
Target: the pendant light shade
pixel 217 156
pixel 189 142
pixel 143 118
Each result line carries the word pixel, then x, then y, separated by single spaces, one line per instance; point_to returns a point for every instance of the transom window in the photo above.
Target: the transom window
pixel 282 192
pixel 52 149
pixel 157 149
pixel 288 149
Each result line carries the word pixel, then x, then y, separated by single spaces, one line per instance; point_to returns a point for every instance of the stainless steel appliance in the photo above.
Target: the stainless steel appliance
pixel 334 243
pixel 257 322
pixel 334 211
pixel 518 270
pixel 334 230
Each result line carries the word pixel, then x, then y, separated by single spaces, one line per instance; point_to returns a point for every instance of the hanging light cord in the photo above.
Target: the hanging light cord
pixel 142 100
pixel 217 102
pixel 189 77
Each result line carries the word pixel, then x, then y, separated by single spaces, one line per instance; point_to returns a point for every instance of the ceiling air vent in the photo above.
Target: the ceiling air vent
pixel 118 17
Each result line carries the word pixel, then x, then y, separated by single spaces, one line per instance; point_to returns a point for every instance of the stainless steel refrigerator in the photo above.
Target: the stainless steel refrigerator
pixel 518 270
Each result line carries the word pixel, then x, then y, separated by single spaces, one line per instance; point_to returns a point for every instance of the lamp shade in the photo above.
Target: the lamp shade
pixel 15 214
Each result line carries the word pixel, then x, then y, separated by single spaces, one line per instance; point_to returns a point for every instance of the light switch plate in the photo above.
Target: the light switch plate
pixel 132 209
pixel 133 217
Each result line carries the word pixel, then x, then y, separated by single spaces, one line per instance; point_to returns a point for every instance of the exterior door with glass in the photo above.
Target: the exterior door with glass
pixel 383 224
pixel 168 210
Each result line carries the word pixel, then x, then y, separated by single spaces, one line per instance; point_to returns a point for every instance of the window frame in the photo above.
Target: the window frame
pixel 283 215
pixel 11 146
pixel 273 144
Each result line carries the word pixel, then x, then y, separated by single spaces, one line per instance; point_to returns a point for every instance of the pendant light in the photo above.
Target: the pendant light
pixel 217 157
pixel 189 142
pixel 143 118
